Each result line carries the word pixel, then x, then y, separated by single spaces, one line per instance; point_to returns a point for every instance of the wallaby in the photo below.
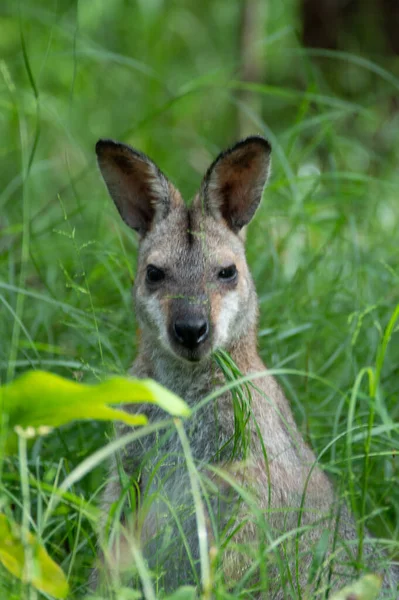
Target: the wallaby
pixel 194 295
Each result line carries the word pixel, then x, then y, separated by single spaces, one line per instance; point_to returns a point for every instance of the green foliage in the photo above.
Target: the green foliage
pixel 367 588
pixel 183 593
pixel 34 404
pixel 39 401
pixel 24 557
pixel 165 77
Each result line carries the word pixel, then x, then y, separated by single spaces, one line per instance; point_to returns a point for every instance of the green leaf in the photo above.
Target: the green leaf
pixel 122 593
pixel 41 571
pixel 319 552
pixel 40 400
pixel 366 588
pixel 185 592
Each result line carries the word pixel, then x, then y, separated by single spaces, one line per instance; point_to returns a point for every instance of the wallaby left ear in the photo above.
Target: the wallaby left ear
pixel 233 185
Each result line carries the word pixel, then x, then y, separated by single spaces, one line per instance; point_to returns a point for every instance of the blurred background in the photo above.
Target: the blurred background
pixel 181 81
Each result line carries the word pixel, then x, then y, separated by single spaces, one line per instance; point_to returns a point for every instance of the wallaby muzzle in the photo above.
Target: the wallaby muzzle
pixel 189 328
pixel 191 332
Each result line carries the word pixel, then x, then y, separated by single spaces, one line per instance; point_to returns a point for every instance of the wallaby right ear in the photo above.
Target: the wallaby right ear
pixel 141 192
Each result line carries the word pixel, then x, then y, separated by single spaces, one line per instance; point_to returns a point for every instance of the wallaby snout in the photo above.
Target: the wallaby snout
pixel 191 331
pixel 190 328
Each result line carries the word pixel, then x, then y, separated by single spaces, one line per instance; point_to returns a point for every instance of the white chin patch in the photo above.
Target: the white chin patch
pixel 227 315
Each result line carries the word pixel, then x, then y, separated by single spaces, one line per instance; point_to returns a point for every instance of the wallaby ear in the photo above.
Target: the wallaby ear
pixel 233 185
pixel 141 192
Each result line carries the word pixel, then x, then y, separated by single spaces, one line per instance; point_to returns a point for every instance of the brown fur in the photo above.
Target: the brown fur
pixel 278 474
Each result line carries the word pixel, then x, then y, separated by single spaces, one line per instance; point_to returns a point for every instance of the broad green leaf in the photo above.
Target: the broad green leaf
pixel 43 573
pixel 40 400
pixel 366 588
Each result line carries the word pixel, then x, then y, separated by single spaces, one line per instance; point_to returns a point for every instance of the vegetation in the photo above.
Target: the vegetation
pixel 165 77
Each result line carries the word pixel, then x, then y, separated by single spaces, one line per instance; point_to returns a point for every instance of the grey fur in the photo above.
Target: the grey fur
pixel 288 488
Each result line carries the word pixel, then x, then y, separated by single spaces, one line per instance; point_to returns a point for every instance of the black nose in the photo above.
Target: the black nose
pixel 191 332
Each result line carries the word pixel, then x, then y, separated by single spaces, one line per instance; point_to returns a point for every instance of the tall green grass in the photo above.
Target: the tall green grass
pixel 323 249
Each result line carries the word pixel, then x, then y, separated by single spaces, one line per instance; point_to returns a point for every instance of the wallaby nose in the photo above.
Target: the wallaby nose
pixel 191 332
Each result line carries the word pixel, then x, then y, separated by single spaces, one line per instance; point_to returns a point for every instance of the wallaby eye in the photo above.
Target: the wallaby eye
pixel 155 275
pixel 228 273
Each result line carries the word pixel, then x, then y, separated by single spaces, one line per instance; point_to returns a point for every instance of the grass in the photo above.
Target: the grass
pixel 323 248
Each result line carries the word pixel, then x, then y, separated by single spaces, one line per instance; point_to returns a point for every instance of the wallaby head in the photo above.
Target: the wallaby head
pixel 193 290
